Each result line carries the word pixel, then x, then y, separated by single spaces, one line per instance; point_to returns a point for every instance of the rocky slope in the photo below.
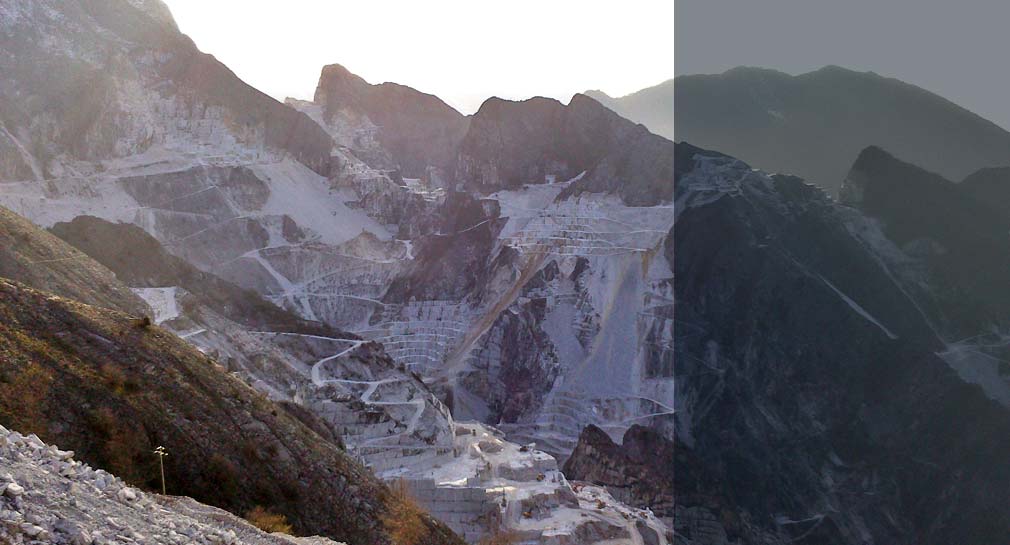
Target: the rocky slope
pixel 30 255
pixel 294 361
pixel 652 107
pixel 105 79
pixel 140 261
pixel 957 237
pixel 791 434
pixel 814 125
pixel 639 470
pixel 46 496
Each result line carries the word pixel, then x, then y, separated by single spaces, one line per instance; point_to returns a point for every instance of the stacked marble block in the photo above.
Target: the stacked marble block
pixel 468 510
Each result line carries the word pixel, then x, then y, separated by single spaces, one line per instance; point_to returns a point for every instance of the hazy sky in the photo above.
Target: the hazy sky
pixel 957 49
pixel 461 50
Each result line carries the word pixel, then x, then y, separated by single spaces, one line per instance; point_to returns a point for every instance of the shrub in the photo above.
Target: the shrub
pixel 123 447
pixel 404 519
pixel 223 475
pixel 268 521
pixel 28 389
pixel 114 378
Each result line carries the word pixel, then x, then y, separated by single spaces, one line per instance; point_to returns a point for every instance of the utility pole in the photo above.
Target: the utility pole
pixel 161 452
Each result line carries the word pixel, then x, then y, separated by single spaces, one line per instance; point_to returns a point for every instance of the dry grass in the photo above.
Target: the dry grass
pixel 115 378
pixel 28 384
pixel 123 448
pixel 404 520
pixel 268 521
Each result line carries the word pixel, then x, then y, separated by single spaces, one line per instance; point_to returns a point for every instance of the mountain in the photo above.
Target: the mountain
pixel 814 125
pixel 542 322
pixel 106 79
pixel 652 107
pixel 510 144
pixel 416 130
pixel 885 429
pixel 533 269
pixel 959 240
pixel 410 289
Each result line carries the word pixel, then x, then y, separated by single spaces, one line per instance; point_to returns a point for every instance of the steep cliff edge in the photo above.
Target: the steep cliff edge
pixel 415 129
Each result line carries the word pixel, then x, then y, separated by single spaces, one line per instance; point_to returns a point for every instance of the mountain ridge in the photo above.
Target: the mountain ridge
pixel 652 106
pixel 814 124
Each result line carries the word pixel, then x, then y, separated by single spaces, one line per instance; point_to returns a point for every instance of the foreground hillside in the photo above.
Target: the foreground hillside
pixel 31 255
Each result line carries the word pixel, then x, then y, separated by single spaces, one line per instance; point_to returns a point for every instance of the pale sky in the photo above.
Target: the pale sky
pixel 461 50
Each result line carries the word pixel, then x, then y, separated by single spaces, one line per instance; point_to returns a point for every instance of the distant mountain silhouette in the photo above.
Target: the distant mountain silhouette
pixel 652 107
pixel 814 125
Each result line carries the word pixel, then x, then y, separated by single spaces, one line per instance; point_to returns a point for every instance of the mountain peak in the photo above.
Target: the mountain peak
pixel 335 79
pixel 877 173
pixel 339 72
pixel 872 155
pixel 583 100
pixel 594 93
pixel 495 103
pixel 836 69
pixel 418 130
